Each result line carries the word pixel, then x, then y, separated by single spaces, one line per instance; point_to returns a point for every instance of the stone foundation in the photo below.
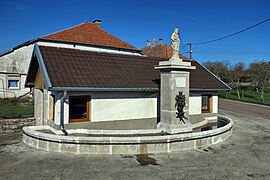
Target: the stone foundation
pixel 15 125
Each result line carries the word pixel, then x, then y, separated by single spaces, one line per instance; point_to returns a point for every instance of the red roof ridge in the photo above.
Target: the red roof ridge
pixel 88 33
pixel 66 29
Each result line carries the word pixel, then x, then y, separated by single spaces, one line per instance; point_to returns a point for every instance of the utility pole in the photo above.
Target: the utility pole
pixel 190 51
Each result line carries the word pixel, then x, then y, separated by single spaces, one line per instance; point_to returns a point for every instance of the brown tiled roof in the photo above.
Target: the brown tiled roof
pixel 89 34
pixel 76 68
pixel 162 50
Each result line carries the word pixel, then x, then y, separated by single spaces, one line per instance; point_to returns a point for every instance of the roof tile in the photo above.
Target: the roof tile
pixel 76 68
pixel 89 34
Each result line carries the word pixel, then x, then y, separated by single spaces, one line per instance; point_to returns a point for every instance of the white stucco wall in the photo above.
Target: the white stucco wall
pixel 195 103
pixel 215 104
pixel 123 109
pixel 109 106
pixel 57 111
pixel 16 62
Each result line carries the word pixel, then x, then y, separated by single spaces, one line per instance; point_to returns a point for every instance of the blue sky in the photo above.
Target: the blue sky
pixel 136 21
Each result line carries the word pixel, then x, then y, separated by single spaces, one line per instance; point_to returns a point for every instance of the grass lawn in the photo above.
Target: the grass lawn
pixel 15 111
pixel 16 108
pixel 247 94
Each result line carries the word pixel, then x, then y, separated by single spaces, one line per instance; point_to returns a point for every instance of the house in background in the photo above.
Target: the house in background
pixel 14 63
pixel 13 70
pixel 84 77
pixel 158 49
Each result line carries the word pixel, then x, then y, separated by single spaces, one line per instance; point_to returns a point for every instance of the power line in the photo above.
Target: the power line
pixel 182 44
pixel 238 32
pixel 241 53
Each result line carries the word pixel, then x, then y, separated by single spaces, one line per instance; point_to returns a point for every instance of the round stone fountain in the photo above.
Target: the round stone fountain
pixel 83 141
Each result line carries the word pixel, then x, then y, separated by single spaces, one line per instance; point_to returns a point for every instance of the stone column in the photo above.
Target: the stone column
pixel 45 107
pixel 174 78
pixel 38 106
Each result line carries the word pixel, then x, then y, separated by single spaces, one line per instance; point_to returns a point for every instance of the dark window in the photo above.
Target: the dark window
pixel 13 84
pixel 206 103
pixel 79 108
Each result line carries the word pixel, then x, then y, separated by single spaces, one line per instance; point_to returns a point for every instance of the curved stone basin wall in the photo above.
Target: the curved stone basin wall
pixel 145 143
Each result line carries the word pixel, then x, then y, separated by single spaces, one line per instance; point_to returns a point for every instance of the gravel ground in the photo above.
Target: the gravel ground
pixel 243 156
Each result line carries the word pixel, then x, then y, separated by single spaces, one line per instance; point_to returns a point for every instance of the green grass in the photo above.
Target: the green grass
pixel 247 95
pixel 16 111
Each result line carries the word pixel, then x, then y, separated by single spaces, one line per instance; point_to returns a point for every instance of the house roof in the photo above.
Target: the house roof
pixel 77 68
pixel 162 50
pixel 83 34
pixel 89 34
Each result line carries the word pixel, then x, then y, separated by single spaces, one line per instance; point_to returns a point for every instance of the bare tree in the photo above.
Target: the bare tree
pixel 235 72
pixel 218 68
pixel 229 73
pixel 260 76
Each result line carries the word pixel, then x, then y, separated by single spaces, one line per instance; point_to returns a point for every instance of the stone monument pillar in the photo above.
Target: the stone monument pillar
pixel 174 91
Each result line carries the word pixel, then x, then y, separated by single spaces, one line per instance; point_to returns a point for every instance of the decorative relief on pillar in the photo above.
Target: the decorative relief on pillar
pixel 180 104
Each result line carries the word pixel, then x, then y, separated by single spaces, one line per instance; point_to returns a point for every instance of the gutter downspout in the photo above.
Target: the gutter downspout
pixel 62 111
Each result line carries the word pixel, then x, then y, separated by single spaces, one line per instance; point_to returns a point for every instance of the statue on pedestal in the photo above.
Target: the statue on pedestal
pixel 175 44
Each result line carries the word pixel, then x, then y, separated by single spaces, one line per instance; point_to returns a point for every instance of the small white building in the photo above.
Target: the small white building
pixel 83 77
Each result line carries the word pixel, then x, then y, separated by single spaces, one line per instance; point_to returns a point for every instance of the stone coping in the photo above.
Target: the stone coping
pixel 32 131
pixel 123 132
pixel 206 121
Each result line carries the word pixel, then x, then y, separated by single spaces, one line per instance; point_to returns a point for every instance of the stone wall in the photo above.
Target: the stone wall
pixel 15 125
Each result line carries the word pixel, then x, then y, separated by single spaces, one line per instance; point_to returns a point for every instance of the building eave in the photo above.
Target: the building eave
pixel 27 43
pixel 42 66
pixel 92 89
pixel 229 88
pixel 204 89
pixel 90 45
pixel 33 41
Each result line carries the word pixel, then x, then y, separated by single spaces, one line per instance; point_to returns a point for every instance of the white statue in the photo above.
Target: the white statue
pixel 175 44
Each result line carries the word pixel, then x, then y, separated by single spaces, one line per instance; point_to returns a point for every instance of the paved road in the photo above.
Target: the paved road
pixel 245 108
pixel 245 155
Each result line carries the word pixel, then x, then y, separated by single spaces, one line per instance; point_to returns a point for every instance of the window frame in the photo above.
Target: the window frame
pixel 88 99
pixel 208 103
pixel 14 77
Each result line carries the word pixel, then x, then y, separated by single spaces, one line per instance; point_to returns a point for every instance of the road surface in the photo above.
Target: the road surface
pixel 245 108
pixel 245 155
